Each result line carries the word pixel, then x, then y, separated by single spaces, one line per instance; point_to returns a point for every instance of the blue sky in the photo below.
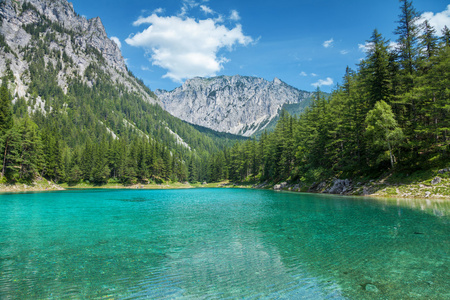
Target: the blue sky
pixel 303 42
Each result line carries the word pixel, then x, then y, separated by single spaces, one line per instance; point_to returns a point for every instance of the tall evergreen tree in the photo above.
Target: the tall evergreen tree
pixel 408 32
pixel 6 120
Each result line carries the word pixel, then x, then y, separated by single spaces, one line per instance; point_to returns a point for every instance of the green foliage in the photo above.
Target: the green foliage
pixel 6 121
pixel 383 128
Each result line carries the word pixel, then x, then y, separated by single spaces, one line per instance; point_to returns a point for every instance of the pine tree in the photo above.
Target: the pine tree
pixel 408 31
pixel 6 120
pixel 445 37
pixel 429 40
pixel 30 150
pixel 377 69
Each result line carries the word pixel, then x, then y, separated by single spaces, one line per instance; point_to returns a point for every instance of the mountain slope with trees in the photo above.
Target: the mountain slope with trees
pixel 71 111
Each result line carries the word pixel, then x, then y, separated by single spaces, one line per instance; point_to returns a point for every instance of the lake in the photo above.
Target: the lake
pixel 221 243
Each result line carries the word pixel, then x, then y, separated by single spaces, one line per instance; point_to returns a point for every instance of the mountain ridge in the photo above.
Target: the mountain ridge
pixel 242 105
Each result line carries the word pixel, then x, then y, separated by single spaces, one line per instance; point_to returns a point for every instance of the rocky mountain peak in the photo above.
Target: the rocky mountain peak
pixel 277 81
pixel 237 104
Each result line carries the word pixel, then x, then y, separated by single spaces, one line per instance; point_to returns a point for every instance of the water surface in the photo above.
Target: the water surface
pixel 221 243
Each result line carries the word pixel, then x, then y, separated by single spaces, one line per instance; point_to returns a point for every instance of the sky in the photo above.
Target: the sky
pixel 305 43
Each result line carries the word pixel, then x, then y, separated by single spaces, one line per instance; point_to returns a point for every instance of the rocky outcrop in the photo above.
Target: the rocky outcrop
pixel 235 104
pixel 340 186
pixel 279 187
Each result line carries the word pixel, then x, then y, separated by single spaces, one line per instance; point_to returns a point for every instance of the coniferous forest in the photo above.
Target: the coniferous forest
pixel 391 114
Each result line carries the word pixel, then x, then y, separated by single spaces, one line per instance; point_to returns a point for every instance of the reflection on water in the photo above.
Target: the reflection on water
pixel 222 243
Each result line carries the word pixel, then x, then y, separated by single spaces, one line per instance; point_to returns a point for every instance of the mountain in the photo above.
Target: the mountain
pixel 70 42
pixel 72 92
pixel 240 105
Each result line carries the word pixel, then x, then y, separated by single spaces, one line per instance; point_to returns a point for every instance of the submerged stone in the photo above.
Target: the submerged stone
pixel 371 288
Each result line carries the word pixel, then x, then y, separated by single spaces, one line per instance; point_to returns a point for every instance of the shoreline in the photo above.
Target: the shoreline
pixel 373 189
pixel 47 186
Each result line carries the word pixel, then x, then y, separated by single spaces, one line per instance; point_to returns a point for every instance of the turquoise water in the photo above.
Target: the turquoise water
pixel 221 244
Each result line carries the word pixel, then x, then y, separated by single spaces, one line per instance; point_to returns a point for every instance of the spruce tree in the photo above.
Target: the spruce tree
pixel 6 120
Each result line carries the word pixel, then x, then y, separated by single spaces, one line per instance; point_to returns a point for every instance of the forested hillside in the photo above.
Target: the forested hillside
pixel 99 124
pixel 390 115
pixel 71 112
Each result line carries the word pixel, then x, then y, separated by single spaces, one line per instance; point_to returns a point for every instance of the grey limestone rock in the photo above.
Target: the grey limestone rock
pixel 340 186
pixel 77 36
pixel 436 180
pixel 235 104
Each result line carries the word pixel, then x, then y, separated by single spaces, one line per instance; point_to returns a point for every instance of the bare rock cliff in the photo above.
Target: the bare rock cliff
pixel 236 104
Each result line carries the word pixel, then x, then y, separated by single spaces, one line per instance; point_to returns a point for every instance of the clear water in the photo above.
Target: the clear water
pixel 219 244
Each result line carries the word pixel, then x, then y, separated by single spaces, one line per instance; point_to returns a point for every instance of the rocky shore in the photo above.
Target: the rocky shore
pixel 39 185
pixel 436 187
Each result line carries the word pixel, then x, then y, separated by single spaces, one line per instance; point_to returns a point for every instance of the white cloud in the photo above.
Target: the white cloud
pixel 303 74
pixel 322 82
pixel 206 9
pixel 344 52
pixel 234 15
pixel 393 45
pixel 117 41
pixel 145 68
pixel 158 11
pixel 219 19
pixel 438 20
pixel 365 47
pixel 328 43
pixel 185 47
pixel 314 75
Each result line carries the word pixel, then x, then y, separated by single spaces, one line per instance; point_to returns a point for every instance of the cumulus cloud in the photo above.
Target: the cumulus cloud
pixel 344 52
pixel 438 20
pixel 117 41
pixel 328 43
pixel 303 74
pixel 314 75
pixel 321 82
pixel 234 15
pixel 186 47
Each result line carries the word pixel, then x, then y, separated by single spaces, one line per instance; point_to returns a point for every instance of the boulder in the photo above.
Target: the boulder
pixel 442 171
pixel 340 186
pixel 436 180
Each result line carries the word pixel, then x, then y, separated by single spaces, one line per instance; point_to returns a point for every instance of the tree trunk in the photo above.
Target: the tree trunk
pixel 390 154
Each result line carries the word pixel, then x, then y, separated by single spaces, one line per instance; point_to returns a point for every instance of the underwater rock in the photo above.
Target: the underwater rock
pixel 371 288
